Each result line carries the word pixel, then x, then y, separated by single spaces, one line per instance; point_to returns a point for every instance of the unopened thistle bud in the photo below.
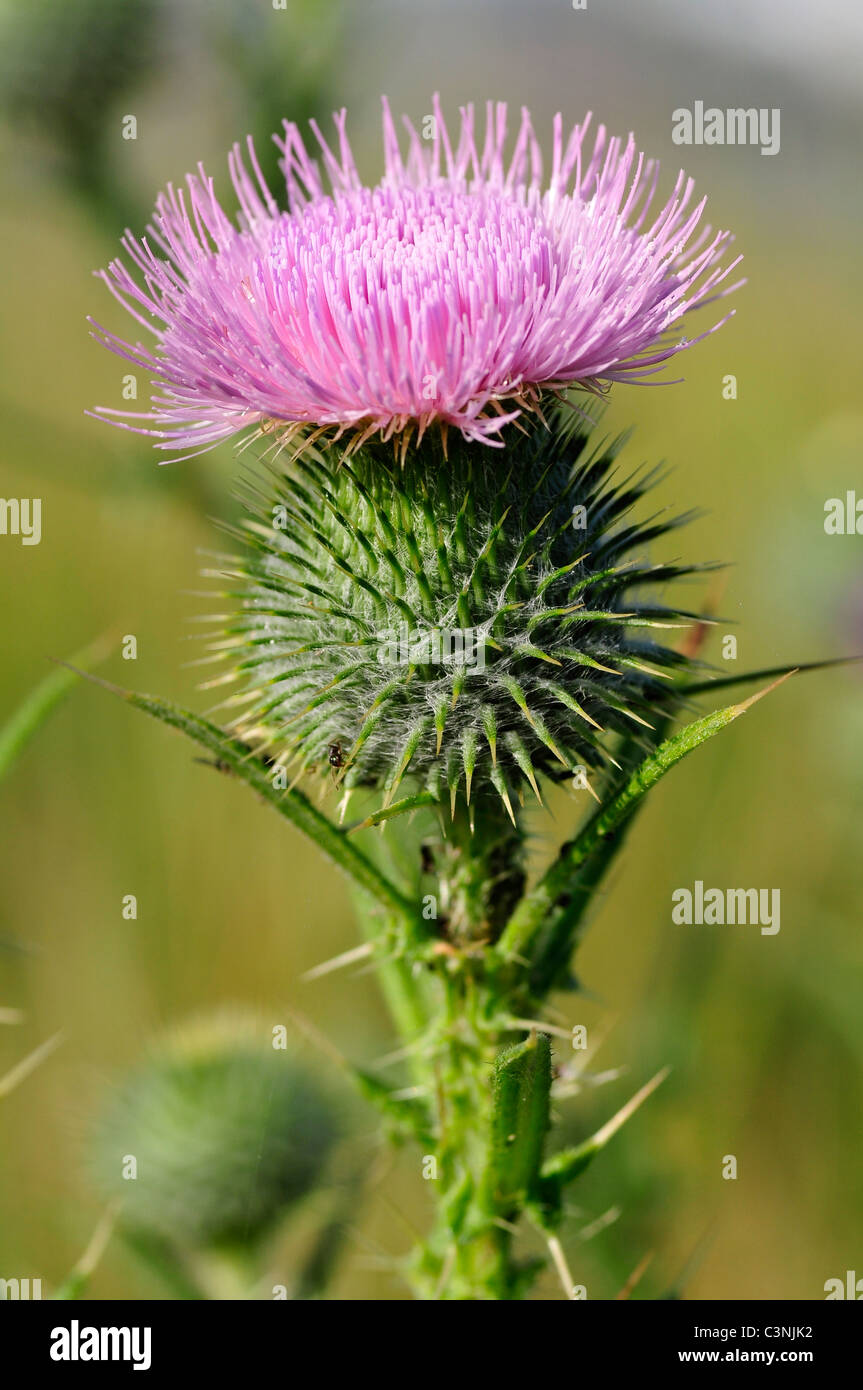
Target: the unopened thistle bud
pixel 447 623
pixel 214 1137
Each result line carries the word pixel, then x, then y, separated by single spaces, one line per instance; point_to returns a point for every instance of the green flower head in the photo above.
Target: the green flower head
pixel 469 624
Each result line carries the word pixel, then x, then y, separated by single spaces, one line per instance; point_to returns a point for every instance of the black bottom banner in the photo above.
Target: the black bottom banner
pixel 83 1339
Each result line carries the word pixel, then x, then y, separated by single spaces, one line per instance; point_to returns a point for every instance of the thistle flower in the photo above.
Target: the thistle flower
pixel 443 622
pixel 226 1133
pixel 455 291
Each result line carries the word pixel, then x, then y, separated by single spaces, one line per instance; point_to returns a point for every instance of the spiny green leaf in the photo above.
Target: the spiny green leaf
pixel 768 673
pixel 291 804
pixel 556 883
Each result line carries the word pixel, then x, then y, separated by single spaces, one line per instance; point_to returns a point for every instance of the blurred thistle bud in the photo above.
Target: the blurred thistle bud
pixel 214 1137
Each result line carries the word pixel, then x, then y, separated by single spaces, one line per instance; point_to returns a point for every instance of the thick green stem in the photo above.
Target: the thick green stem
pixel 481 869
pixel 468 1253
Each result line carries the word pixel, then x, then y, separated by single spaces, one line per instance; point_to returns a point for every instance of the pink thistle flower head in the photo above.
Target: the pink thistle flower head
pixel 456 290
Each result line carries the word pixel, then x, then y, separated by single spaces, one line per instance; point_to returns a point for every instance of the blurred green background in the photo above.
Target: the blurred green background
pixel 764 1034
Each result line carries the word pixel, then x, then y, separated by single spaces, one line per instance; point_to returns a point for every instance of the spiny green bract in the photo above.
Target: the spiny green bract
pixel 226 1133
pixel 469 620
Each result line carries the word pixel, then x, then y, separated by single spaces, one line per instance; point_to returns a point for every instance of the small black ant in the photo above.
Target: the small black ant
pixel 220 765
pixel 216 763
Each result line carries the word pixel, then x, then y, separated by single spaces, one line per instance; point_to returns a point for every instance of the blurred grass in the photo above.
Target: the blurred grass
pixel 765 1034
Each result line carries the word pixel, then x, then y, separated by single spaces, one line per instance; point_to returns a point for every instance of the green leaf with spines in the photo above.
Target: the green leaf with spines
pixel 556 885
pixel 239 759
